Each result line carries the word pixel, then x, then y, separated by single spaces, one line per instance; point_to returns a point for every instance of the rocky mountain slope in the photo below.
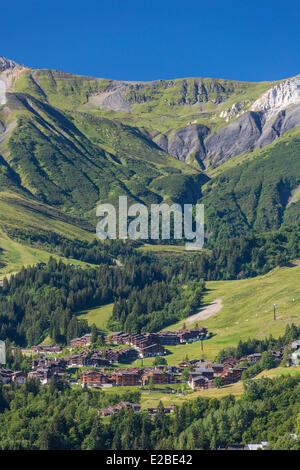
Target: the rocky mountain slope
pixel 69 142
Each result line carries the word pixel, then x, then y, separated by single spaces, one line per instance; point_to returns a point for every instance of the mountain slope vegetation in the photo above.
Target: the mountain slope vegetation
pixel 70 142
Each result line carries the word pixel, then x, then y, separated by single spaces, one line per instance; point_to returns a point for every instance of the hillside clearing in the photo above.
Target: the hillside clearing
pixel 98 315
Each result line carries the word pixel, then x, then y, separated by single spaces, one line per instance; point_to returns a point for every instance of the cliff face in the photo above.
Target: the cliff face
pixel 7 64
pixel 8 69
pixel 2 91
pixel 278 98
pixel 186 144
pixel 271 116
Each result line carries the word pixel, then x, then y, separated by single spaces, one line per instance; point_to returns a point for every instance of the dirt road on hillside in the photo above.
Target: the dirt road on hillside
pixel 205 312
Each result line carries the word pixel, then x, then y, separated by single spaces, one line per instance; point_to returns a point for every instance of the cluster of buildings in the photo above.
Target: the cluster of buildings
pixel 230 370
pixel 129 377
pixel 101 358
pixel 145 344
pixel 261 446
pixel 44 368
pixel 203 374
pixel 43 349
pixel 110 410
pixel 84 340
pixel 152 344
pixel 7 376
pixel 256 357
pixel 129 347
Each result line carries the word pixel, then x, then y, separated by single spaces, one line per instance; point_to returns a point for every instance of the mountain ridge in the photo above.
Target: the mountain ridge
pixel 61 148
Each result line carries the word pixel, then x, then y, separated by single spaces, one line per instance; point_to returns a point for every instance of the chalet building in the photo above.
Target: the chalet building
pixel 173 369
pixel 121 355
pixel 278 354
pixel 19 376
pixel 94 379
pixel 44 368
pixel 97 359
pixel 121 338
pixel 204 371
pixel 6 375
pixel 94 359
pixel 256 357
pixel 152 410
pixel 115 337
pixel 200 382
pixel 183 365
pixel 172 338
pixel 126 404
pixel 141 340
pixel 83 341
pixel 115 408
pixel 168 338
pixel 78 360
pixel 195 334
pixel 43 349
pixel 218 369
pixel 229 362
pixel 45 374
pixel 54 363
pixel 233 375
pixel 151 350
pixel 126 378
pixel 102 358
pixel 105 412
pixel 157 377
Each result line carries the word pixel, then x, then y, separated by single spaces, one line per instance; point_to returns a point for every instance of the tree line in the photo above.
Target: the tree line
pixel 58 417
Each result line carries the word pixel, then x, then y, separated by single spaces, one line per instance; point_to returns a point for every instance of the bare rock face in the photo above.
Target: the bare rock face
pixel 7 64
pixel 278 125
pixel 278 98
pixel 270 117
pixel 233 139
pixel 250 131
pixel 112 100
pixel 234 111
pixel 2 92
pixel 186 143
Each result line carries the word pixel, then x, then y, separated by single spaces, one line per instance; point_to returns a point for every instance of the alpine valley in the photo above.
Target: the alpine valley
pixel 138 344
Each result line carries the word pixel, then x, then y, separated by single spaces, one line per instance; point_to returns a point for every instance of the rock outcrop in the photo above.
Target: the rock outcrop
pixel 278 98
pixel 233 139
pixel 111 100
pixel 271 116
pixel 234 111
pixel 186 143
pixel 250 131
pixel 7 64
pixel 2 92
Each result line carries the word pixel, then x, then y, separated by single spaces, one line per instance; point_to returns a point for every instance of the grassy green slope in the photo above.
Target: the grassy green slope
pixel 15 255
pixel 254 193
pixel 99 316
pixel 73 162
pixel 247 312
pixel 160 105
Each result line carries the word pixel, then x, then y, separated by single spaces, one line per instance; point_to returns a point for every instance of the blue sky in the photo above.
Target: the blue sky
pixel 151 39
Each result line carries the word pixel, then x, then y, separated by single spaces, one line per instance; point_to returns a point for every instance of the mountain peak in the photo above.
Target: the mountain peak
pixel 7 64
